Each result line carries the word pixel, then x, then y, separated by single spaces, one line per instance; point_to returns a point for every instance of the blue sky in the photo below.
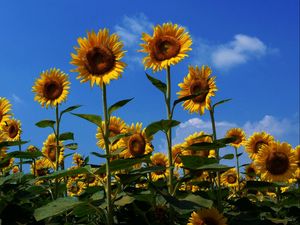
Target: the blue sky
pixel 252 48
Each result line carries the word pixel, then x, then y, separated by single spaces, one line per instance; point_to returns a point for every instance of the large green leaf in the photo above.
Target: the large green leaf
pixel 185 98
pixel 69 109
pixel 95 119
pixel 20 155
pixel 66 136
pixel 194 162
pixel 114 139
pixel 55 207
pixel 72 146
pixel 124 200
pixel 67 173
pixel 118 105
pixel 221 102
pixel 45 123
pixel 158 84
pixel 162 125
pixel 228 156
pixel 12 143
pixel 258 184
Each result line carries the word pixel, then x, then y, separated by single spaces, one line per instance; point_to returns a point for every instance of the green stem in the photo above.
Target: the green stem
pixel 169 132
pixel 237 168
pixel 57 148
pixel 108 172
pixel 21 160
pixel 213 124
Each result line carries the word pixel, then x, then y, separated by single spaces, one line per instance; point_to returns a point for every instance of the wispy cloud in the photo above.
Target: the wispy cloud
pixel 16 99
pixel 240 50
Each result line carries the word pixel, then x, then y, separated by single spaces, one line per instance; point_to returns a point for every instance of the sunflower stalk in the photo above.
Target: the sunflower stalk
pixel 21 160
pixel 237 168
pixel 213 124
pixel 169 132
pixel 57 153
pixel 108 172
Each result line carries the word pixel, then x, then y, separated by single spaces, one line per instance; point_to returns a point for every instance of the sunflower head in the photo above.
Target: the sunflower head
pixel 49 150
pixel 230 178
pixel 238 134
pixel 5 108
pixel 11 130
pixel 256 142
pixel 276 162
pixel 15 169
pixel 176 152
pixel 32 148
pixel 159 159
pixel 167 46
pixel 78 160
pixel 51 88
pixel 137 143
pixel 40 168
pixel 207 217
pixel 98 57
pixel 75 187
pixel 198 82
pixel 251 171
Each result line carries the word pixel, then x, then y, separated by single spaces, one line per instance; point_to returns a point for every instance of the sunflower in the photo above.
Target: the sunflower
pixel 78 160
pixel 15 169
pixel 167 46
pixel 255 143
pixel 198 82
pixel 98 57
pixel 11 130
pixel 276 162
pixel 5 108
pixel 297 154
pixel 197 137
pixel 230 178
pixel 8 164
pixel 51 88
pixel 116 126
pixel 75 187
pixel 237 133
pixel 32 148
pixel 176 152
pixel 40 168
pixel 159 159
pixel 92 180
pixel 137 143
pixel 207 217
pixel 49 151
pixel 251 171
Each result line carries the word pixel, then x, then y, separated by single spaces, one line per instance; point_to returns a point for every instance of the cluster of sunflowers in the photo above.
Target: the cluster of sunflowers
pixel 189 167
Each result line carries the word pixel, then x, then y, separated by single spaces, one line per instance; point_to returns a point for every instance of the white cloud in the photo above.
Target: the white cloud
pixel 225 56
pixel 16 99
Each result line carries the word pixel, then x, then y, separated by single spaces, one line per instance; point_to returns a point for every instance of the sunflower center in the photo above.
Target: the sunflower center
pixel 74 188
pixel 41 172
pixel 113 130
pixel 52 153
pixel 136 145
pixel 231 178
pixel 100 60
pixel 13 131
pixel 258 146
pixel 238 139
pixel 166 47
pixel 52 90
pixel 210 221
pixel 277 163
pixel 250 172
pixel 201 89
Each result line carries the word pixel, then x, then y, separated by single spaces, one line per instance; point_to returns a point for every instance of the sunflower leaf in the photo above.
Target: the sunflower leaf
pixel 162 125
pixel 221 102
pixel 72 146
pixel 66 136
pixel 12 143
pixel 67 173
pixel 114 139
pixel 228 156
pixel 69 109
pixel 45 123
pixel 118 105
pixel 95 119
pixel 158 84
pixel 185 98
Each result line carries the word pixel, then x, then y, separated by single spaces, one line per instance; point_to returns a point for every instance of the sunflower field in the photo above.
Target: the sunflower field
pixel 188 184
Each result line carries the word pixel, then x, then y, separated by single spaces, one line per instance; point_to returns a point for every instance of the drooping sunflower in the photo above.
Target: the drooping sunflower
pixel 198 82
pixel 75 187
pixel 137 143
pixel 167 46
pixel 230 178
pixel 237 133
pixel 255 143
pixel 197 137
pixel 251 171
pixel 78 160
pixel 49 150
pixel 276 162
pixel 40 168
pixel 98 57
pixel 176 152
pixel 207 217
pixel 159 159
pixel 11 130
pixel 116 126
pixel 5 108
pixel 51 88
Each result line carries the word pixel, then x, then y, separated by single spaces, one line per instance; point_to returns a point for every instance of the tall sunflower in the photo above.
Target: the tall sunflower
pixel 230 178
pixel 5 108
pixel 49 150
pixel 51 88
pixel 137 143
pixel 11 130
pixel 237 133
pixel 276 162
pixel 167 46
pixel 116 126
pixel 159 159
pixel 40 168
pixel 256 142
pixel 297 154
pixel 207 217
pixel 197 137
pixel 98 57
pixel 198 82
